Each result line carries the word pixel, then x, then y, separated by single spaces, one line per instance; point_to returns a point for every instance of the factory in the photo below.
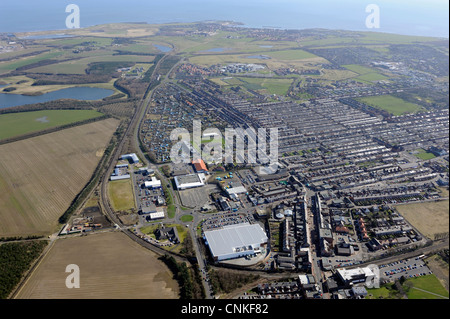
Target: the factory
pixel 235 241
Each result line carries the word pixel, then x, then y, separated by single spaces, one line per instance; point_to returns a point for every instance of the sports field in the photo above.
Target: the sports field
pixel 111 265
pixel 391 104
pixel 40 176
pixel 15 124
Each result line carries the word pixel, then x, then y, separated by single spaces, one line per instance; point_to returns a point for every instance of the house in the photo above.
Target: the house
pixel 170 233
pixel 344 249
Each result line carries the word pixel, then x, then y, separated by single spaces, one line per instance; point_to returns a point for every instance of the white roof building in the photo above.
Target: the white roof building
pixel 132 157
pixel 235 241
pixel 154 183
pixel 190 181
pixel 356 275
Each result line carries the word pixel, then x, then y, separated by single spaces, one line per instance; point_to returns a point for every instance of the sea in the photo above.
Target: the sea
pixel 408 17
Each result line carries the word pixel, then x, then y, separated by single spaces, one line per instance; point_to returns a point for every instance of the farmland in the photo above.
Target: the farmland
pixel 40 176
pixel 111 266
pixel 15 124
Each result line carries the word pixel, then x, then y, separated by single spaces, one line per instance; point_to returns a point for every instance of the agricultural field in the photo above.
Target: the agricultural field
pixel 8 66
pixel 121 195
pixel 366 74
pixel 391 104
pixel 112 266
pixel 25 85
pixel 40 176
pixel 79 66
pixel 429 218
pixel 15 124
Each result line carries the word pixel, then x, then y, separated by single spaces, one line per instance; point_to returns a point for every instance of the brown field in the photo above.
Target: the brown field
pixel 40 176
pixel 429 218
pixel 112 266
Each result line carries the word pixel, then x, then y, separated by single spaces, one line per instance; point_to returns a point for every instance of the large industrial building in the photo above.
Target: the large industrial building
pixel 131 157
pixel 189 181
pixel 235 241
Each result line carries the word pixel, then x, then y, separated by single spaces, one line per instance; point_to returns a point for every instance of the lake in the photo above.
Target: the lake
pixel 78 93
pixel 162 48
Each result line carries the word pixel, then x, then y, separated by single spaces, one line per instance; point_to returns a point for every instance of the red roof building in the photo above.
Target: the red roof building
pixel 200 166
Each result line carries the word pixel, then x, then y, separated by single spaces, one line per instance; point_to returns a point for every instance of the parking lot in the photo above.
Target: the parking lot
pixel 413 267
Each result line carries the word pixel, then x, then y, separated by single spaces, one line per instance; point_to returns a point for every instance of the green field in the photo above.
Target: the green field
pixel 15 124
pixel 291 55
pixel 187 218
pixel 272 86
pixel 391 104
pixel 424 155
pixel 425 287
pixel 10 66
pixel 121 195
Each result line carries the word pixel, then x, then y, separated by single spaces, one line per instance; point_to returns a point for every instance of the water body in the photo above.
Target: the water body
pixel 261 57
pixel 162 48
pixel 47 36
pixel 215 50
pixel 411 17
pixel 78 93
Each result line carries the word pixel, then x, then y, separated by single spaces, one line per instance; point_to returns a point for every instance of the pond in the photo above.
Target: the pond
pixel 215 50
pixel 77 93
pixel 260 57
pixel 163 48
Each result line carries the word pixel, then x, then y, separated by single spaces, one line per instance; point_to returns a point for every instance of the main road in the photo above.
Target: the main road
pixel 132 133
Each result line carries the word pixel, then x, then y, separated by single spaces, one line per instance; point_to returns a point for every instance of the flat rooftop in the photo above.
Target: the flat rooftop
pixel 235 238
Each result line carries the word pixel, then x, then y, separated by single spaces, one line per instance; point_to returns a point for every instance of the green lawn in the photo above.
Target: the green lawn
pixel 391 104
pixel 15 124
pixel 430 285
pixel 424 155
pixel 187 218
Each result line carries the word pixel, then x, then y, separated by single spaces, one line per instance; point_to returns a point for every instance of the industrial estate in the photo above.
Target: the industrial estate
pixel 358 194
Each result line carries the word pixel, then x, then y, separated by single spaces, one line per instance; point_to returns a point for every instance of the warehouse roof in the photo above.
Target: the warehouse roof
pixel 235 238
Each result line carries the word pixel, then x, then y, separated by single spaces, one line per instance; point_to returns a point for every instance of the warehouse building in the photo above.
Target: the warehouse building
pixel 153 184
pixel 189 181
pixel 200 166
pixel 235 241
pixel 131 157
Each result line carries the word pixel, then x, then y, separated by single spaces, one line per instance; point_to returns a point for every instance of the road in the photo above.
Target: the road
pixel 132 133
